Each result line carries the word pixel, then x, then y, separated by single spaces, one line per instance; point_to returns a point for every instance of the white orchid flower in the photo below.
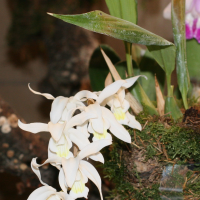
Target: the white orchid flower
pixel 77 171
pixel 100 120
pixel 61 142
pixel 114 96
pixel 62 105
pixel 48 193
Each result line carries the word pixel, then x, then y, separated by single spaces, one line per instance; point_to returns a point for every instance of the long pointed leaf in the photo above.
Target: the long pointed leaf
pixel 100 22
pixel 178 21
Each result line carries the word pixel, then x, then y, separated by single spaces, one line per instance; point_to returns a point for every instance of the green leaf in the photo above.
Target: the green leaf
pixel 178 22
pixel 126 10
pixel 149 67
pixel 98 69
pixel 138 92
pixel 193 58
pixel 100 22
pixel 172 108
pixel 165 57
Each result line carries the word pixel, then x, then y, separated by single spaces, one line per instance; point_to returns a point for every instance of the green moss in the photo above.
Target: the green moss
pixel 182 146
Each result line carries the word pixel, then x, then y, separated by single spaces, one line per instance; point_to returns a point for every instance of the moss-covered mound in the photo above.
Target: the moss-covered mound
pixel 162 162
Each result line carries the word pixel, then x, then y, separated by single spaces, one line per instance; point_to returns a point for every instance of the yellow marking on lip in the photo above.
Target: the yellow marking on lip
pixel 78 187
pixel 62 150
pixel 119 114
pixel 101 135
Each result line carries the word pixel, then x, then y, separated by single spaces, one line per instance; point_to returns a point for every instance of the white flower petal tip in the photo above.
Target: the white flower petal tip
pixel 57 108
pixel 85 94
pixel 93 148
pixel 70 167
pixel 48 193
pixel 42 193
pixel 33 127
pixel 90 172
pixel 97 157
pixel 48 96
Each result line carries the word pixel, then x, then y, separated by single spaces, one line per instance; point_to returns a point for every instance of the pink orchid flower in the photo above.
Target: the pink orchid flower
pixel 192 18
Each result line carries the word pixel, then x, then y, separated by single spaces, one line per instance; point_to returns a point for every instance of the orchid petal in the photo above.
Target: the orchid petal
pixel 189 23
pixel 57 160
pixel 189 4
pixel 52 145
pixel 116 103
pixel 64 196
pixel 125 105
pixel 115 127
pixel 33 127
pixel 90 129
pixel 130 81
pixel 56 130
pixel 79 195
pixel 197 6
pixel 83 129
pixel 108 137
pixel 61 179
pixel 62 140
pixel 42 193
pixel 93 148
pixel 79 120
pixel 57 108
pixel 48 96
pixel 69 142
pixel 84 178
pixel 110 90
pixel 167 12
pixel 133 123
pixel 97 157
pixel 85 93
pixel 70 167
pixel 110 101
pixel 35 168
pixel 97 124
pixel 92 174
pixel 78 138
pixel 121 95
pixel 197 31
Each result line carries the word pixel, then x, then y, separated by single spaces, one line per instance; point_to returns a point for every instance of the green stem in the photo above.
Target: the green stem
pixel 185 101
pixel 128 47
pixel 169 91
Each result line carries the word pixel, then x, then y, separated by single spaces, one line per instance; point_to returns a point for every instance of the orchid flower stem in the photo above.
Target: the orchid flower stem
pixel 128 47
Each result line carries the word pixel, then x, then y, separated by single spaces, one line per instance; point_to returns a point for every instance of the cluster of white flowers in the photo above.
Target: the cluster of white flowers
pixel 71 131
